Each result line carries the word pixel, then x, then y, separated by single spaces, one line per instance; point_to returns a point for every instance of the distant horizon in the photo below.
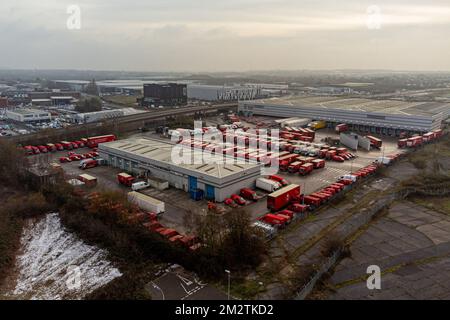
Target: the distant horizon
pixel 193 72
pixel 199 36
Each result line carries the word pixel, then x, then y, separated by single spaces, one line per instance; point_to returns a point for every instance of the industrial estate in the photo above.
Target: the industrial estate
pixel 237 186
pixel 299 172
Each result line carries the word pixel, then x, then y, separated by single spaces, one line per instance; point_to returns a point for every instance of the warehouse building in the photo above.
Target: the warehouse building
pixel 221 93
pixel 28 115
pixel 388 117
pixel 95 116
pixel 154 158
pixel 167 94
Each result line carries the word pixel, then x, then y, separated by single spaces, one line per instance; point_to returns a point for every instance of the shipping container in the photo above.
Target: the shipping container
pixel 146 202
pixel 283 197
pixel 93 142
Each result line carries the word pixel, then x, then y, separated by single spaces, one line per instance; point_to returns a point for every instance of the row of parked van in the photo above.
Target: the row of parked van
pixel 91 142
pixel 150 221
pixel 300 207
pixel 53 147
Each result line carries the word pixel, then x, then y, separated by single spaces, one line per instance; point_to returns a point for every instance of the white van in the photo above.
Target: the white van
pixel 383 160
pixel 139 185
pixel 349 177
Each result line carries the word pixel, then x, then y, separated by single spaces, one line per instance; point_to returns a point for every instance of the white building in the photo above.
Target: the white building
pixel 28 115
pixel 88 117
pixel 154 158
pixel 386 117
pixel 221 93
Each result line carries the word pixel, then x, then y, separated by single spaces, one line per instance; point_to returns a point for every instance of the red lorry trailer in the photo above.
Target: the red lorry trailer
pixel 414 142
pixel 402 143
pixel 428 137
pixel 375 142
pixel 285 161
pixel 305 169
pixel 318 163
pixel 93 142
pixel 293 167
pixel 343 127
pixel 125 179
pixel 438 133
pixel 283 197
pixel 273 219
pixel 51 147
pixel 312 201
pixel 67 145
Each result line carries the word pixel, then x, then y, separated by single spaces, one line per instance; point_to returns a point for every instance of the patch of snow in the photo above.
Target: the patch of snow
pixel 56 264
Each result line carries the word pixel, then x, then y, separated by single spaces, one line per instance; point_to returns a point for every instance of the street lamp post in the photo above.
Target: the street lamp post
pixel 229 280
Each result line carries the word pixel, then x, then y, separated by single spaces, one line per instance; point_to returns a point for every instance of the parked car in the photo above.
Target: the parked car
pixel 229 202
pixel 43 149
pixel 238 199
pixel 249 194
pixel 75 157
pixel 64 159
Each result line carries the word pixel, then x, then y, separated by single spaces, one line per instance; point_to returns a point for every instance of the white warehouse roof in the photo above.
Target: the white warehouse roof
pixel 160 152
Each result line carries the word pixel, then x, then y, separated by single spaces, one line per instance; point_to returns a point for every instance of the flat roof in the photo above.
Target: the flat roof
pixel 41 100
pixel 162 151
pixel 28 111
pixel 61 97
pixel 359 104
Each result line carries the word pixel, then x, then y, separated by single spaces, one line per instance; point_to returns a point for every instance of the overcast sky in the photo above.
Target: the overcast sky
pixel 226 35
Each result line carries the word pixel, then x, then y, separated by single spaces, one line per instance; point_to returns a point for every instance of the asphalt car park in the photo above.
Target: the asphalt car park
pixel 178 284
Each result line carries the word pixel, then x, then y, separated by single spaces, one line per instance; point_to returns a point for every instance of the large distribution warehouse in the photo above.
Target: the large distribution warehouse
pixel 154 158
pixel 377 116
pixel 221 93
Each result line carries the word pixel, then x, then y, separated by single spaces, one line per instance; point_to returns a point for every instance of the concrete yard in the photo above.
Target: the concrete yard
pixel 333 170
pixel 411 245
pixel 178 202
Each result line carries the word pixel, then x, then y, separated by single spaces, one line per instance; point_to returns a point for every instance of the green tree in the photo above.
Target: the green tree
pixel 92 88
pixel 89 105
